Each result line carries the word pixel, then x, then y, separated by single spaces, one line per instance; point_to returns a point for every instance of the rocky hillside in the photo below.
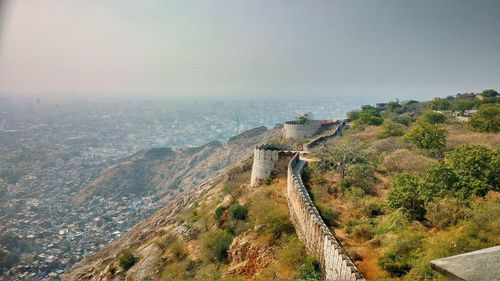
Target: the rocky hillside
pixel 167 173
pixel 222 230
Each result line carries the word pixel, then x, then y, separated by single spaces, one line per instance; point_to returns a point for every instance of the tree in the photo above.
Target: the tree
pixel 405 194
pixel 463 105
pixel 340 156
pixel 439 181
pixel 470 161
pixel 489 93
pixel 304 119
pixel 392 106
pixel 486 119
pixel 426 136
pixel 439 104
pixel 432 117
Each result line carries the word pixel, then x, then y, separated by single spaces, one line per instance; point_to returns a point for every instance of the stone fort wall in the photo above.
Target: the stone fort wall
pixel 322 139
pixel 311 229
pixel 298 131
pixel 269 159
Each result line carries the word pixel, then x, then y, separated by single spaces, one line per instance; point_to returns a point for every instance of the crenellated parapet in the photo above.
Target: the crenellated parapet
pixel 335 263
pixel 269 159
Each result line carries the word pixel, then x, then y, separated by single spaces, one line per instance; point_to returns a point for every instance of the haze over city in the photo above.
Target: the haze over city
pixel 245 49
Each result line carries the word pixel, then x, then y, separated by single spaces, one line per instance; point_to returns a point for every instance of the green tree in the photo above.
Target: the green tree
pixel 489 93
pixel 393 106
pixel 470 161
pixel 439 104
pixel 486 119
pixel 463 105
pixel 439 181
pixel 432 117
pixel 426 136
pixel 406 195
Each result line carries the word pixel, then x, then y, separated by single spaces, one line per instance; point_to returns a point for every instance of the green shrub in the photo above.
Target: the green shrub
pixel 391 129
pixel 278 226
pixel 392 222
pixel 329 217
pixel 238 212
pixel 218 214
pixel 293 254
pixel 444 212
pixel 426 136
pixel 363 231
pixel 178 251
pixel 405 194
pixel 310 270
pixel 400 257
pixel 216 244
pixel 432 117
pixel 439 104
pixel 127 260
pixel 373 208
pixel 361 175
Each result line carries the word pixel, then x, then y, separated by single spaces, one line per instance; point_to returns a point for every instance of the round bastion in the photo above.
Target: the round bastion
pixel 269 159
pixel 299 131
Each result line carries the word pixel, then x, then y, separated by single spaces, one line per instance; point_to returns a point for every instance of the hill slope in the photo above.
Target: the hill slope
pixel 166 173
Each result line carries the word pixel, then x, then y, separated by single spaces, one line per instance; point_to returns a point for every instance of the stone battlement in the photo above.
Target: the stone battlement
pixel 269 158
pixel 335 263
pixel 279 158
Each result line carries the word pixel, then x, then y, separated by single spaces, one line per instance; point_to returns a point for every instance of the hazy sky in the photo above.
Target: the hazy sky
pixel 249 48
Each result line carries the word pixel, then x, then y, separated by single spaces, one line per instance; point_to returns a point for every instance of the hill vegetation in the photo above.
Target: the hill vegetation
pixel 413 182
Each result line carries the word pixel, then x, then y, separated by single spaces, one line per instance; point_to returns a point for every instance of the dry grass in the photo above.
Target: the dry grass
pixel 404 160
pixel 459 135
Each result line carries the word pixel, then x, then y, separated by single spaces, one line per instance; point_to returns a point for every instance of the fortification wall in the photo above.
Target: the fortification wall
pixel 322 139
pixel 297 131
pixel 270 159
pixel 311 229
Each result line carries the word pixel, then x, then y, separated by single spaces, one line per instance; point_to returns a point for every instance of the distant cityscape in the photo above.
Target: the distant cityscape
pixel 50 150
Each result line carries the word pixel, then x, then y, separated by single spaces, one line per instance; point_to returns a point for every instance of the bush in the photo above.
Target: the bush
pixel 363 231
pixel 218 214
pixel 127 260
pixel 406 195
pixel 444 212
pixel 310 270
pixel 216 244
pixel 238 212
pixel 470 160
pixel 426 136
pixel 329 217
pixel 439 104
pixel 293 254
pixel 278 226
pixel 368 115
pixel 402 254
pixel 340 156
pixel 404 160
pixel 432 117
pixel 439 180
pixel 178 251
pixel 373 208
pixel 361 175
pixel 391 129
